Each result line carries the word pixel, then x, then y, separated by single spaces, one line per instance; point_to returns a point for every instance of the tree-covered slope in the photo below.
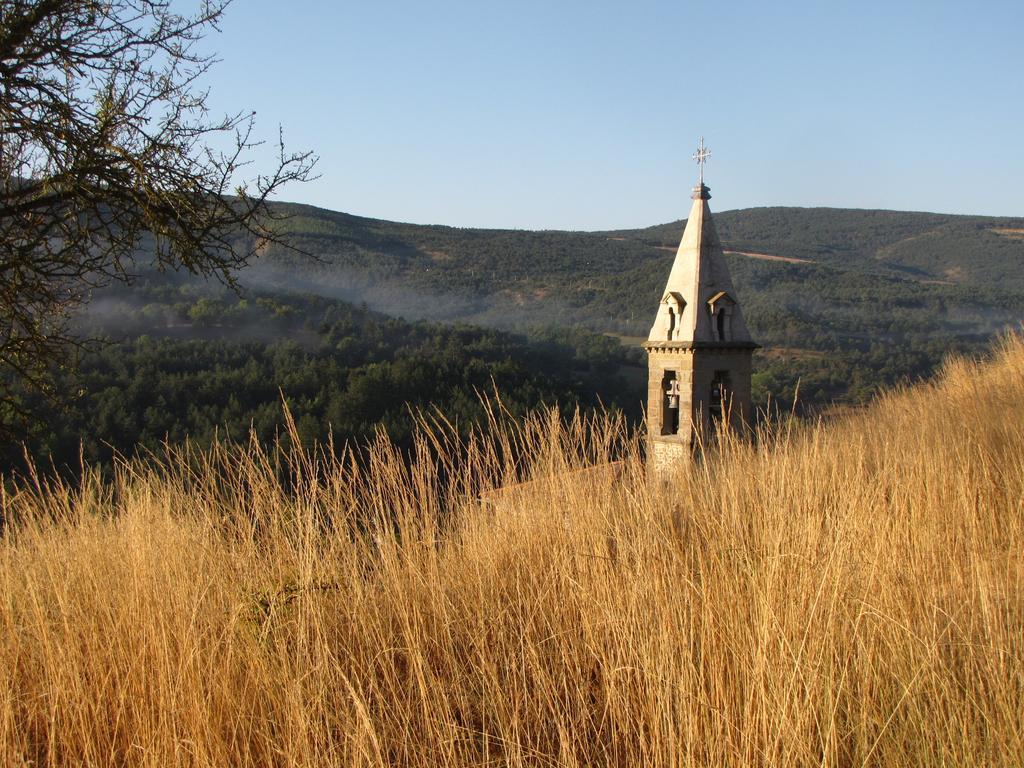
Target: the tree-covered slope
pixel 842 300
pixel 850 302
pixel 176 361
pixel 965 250
pixel 610 281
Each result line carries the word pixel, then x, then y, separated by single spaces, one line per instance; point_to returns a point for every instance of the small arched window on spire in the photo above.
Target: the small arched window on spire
pixel 672 305
pixel 720 307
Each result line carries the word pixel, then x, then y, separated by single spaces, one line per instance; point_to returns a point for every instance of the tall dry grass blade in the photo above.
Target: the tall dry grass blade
pixel 837 593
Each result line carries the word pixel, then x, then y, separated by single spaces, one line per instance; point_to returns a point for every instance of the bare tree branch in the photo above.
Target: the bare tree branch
pixel 105 142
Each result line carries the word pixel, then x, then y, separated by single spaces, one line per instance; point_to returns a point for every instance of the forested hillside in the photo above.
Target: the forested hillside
pixel 188 360
pixel 548 270
pixel 843 301
pixel 378 317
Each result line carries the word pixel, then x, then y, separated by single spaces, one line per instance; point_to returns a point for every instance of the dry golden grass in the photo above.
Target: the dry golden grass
pixel 845 594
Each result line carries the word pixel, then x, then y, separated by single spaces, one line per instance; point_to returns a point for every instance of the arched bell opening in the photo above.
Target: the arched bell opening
pixel 719 401
pixel 670 403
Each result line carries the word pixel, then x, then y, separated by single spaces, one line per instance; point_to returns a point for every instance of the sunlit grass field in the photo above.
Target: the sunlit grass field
pixel 847 593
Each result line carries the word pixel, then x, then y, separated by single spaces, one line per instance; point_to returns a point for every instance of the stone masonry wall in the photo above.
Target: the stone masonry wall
pixel 665 457
pixel 695 370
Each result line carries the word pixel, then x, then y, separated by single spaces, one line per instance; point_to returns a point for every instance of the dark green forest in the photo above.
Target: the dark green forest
pixel 194 362
pixel 374 320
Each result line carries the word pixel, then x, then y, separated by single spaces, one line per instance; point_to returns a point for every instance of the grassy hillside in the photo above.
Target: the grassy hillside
pixel 841 594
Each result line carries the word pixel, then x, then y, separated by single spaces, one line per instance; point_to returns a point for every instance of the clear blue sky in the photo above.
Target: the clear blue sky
pixel 583 115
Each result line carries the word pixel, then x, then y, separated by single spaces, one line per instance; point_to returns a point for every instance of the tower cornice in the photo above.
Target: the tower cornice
pixel 666 346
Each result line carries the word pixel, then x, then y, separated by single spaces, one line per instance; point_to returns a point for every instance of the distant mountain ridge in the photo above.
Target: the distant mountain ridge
pixel 609 280
pixel 828 292
pixel 964 249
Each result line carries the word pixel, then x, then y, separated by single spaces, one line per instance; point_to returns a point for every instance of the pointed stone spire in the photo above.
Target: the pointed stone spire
pixel 699 303
pixel 699 353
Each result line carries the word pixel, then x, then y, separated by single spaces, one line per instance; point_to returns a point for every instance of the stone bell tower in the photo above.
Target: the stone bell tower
pixel 699 350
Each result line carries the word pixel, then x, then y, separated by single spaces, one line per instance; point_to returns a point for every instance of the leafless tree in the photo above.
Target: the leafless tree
pixel 108 148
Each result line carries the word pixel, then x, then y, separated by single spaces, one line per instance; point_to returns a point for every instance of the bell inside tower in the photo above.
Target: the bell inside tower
pixel 718 402
pixel 670 404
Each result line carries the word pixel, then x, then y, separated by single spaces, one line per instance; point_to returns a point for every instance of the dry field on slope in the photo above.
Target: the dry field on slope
pixel 846 594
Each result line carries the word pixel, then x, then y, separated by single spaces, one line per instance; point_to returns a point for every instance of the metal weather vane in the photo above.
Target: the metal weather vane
pixel 701 156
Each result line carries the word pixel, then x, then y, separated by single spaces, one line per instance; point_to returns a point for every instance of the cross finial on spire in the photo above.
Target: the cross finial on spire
pixel 701 156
